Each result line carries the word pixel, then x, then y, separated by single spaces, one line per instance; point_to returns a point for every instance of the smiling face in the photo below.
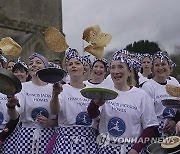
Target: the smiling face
pixel 10 65
pixel 35 65
pixel 21 74
pixel 98 71
pixel 75 68
pixel 161 70
pixel 119 73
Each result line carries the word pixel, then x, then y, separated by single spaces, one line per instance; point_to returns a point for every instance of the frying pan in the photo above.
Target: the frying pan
pixel 171 103
pixel 51 74
pixel 99 93
pixel 9 83
pixel 155 148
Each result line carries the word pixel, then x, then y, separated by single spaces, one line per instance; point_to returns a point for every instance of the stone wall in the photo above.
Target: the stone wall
pixel 21 17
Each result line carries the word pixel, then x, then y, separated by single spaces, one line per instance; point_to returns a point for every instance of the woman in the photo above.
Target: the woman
pixel 124 117
pixel 10 65
pixel 76 134
pixel 87 67
pixel 155 87
pixel 146 61
pixel 35 115
pixel 123 52
pixel 20 69
pixel 3 118
pixel 98 73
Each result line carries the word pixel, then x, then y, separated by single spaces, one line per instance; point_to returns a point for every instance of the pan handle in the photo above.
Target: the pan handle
pixel 9 96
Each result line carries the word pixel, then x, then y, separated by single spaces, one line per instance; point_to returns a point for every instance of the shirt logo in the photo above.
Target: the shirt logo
pixel 39 111
pixel 168 113
pixel 83 119
pixel 116 126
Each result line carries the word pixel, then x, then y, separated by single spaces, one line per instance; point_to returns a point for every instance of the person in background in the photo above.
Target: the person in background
pixel 124 117
pixel 58 62
pixel 10 65
pixel 20 69
pixel 4 118
pixel 146 61
pixel 35 114
pixel 76 134
pixel 170 70
pixel 87 67
pixel 136 68
pixel 155 87
pixel 98 72
pixel 2 61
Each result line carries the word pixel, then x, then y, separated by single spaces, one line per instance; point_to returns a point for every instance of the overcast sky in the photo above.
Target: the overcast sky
pixel 126 20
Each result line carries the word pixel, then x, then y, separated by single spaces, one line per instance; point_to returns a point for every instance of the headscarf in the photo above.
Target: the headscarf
pixel 123 60
pixel 44 60
pixel 103 60
pixel 162 56
pixel 72 53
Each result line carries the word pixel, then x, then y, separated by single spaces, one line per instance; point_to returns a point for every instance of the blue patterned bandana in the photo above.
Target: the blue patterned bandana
pixel 118 52
pixel 87 59
pixel 162 56
pixel 19 61
pixel 146 55
pixel 137 65
pixel 103 60
pixel 52 65
pixel 123 60
pixel 3 58
pixel 72 53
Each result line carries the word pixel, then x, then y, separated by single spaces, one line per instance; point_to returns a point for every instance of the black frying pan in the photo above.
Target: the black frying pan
pixel 99 93
pixel 51 74
pixel 9 83
pixel 172 103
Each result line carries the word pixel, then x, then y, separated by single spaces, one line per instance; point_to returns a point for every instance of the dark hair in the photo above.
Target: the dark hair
pixel 19 66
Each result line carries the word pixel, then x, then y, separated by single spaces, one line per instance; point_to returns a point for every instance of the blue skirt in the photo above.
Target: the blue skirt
pixel 75 140
pixel 27 142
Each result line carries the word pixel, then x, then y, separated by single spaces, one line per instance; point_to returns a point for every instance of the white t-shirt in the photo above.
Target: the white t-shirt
pixel 98 85
pixel 158 93
pixel 142 79
pixel 173 80
pixel 128 114
pixel 73 108
pixel 34 100
pixel 108 82
pixel 4 117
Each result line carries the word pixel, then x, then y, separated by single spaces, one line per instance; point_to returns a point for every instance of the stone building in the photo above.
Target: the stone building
pixel 26 20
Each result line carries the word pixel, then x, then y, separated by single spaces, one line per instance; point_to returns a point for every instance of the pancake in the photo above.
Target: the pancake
pixel 173 90
pixel 170 142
